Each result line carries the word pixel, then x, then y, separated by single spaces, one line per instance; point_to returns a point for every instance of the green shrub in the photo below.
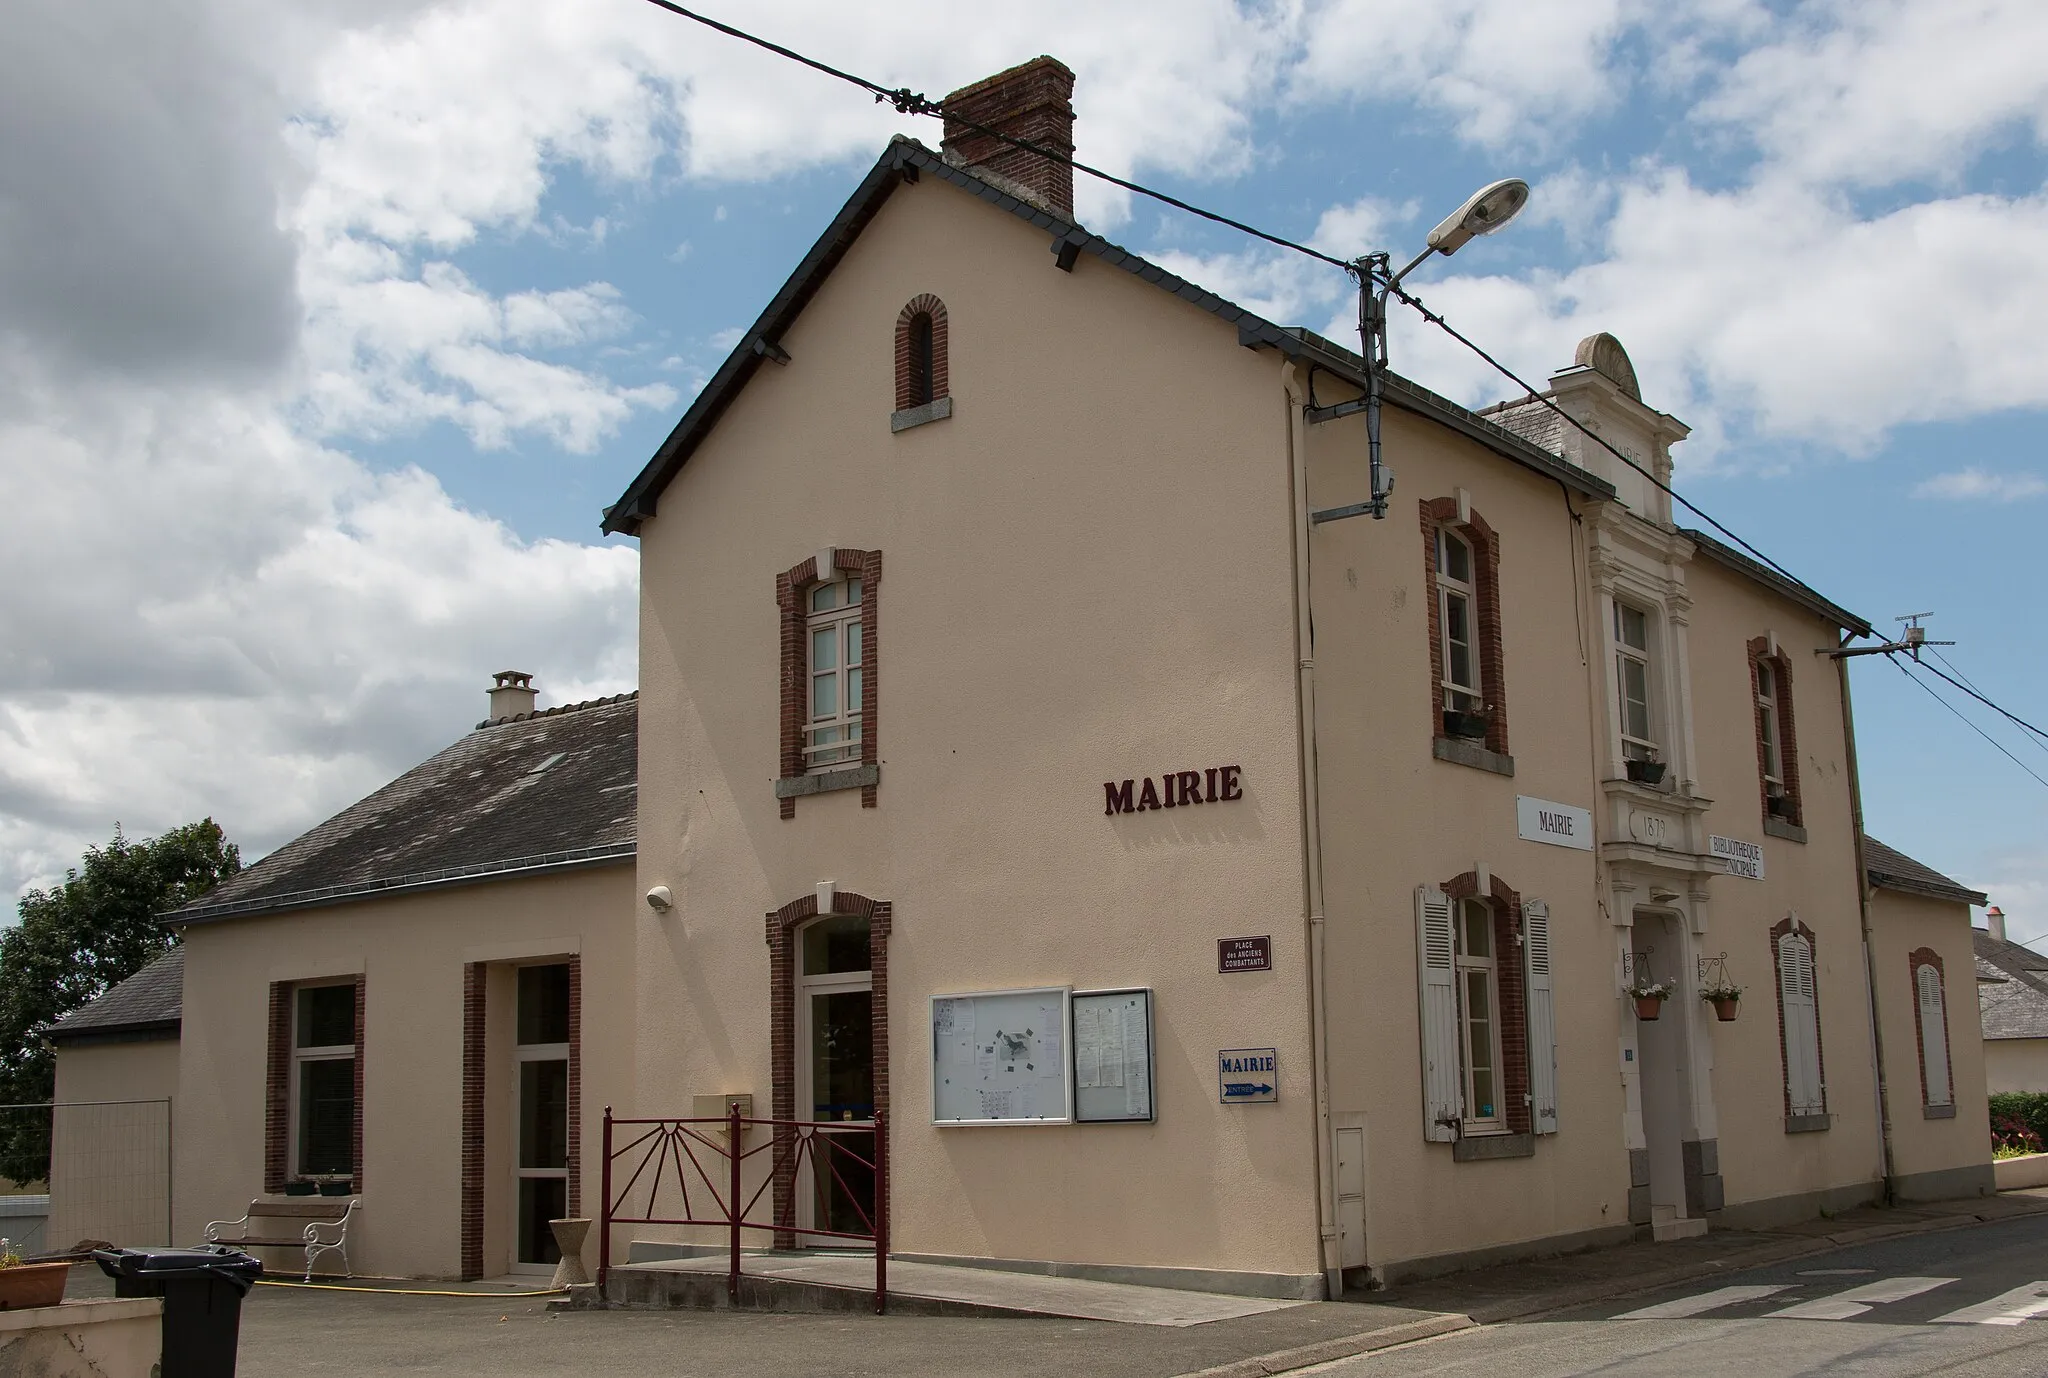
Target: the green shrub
pixel 2019 1121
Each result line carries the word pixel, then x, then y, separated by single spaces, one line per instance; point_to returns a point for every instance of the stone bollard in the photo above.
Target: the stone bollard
pixel 569 1237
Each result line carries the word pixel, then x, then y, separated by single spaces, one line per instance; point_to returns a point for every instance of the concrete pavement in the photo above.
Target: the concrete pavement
pixel 1968 1302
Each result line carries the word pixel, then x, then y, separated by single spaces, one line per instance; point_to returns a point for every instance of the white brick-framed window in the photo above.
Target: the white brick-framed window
pixel 1768 734
pixel 1632 680
pixel 1479 1043
pixel 832 639
pixel 1806 1095
pixel 1457 622
pixel 323 1080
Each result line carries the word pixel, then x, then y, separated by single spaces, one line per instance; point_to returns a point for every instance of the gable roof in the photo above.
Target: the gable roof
pixel 1894 870
pixel 2012 990
pixel 906 160
pixel 1805 596
pixel 537 792
pixel 147 1005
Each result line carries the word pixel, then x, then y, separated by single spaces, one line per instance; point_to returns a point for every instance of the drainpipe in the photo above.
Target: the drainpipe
pixel 1328 1246
pixel 1884 1103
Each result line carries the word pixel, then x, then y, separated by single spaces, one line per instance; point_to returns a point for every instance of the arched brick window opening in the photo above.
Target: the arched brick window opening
pixel 1468 675
pixel 1795 965
pixel 1930 1028
pixel 785 927
pixel 1777 737
pixel 922 375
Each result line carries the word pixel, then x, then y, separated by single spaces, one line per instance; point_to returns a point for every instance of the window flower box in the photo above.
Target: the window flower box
pixel 1467 726
pixel 1781 806
pixel 1644 772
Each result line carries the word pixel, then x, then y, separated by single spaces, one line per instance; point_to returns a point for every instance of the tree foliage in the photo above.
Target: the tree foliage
pixel 74 942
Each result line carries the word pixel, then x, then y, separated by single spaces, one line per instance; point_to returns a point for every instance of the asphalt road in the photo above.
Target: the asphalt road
pixel 1955 1303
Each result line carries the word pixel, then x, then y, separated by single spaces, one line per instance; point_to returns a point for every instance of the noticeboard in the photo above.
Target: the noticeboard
pixel 1000 1057
pixel 1113 1076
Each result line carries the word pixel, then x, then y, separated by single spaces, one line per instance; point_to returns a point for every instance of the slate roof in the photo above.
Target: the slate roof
pixel 1894 870
pixel 2012 988
pixel 906 160
pixel 539 791
pixel 148 1003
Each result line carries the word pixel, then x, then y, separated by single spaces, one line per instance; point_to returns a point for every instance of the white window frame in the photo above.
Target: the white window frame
pixel 1457 697
pixel 808 986
pixel 1801 1020
pixel 523 1053
pixel 332 1052
pixel 832 740
pixel 1769 723
pixel 1473 1123
pixel 1626 653
pixel 1933 1036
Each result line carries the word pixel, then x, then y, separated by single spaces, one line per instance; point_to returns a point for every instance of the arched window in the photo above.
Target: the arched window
pixel 922 375
pixel 1777 739
pixel 1468 693
pixel 920 359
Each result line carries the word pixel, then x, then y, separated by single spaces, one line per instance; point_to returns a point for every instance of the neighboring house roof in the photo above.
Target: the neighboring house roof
pixel 146 1005
pixel 536 792
pixel 906 160
pixel 1894 870
pixel 2012 990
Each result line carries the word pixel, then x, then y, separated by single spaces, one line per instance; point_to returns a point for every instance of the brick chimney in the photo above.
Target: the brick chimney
pixel 1994 921
pixel 512 693
pixel 1033 102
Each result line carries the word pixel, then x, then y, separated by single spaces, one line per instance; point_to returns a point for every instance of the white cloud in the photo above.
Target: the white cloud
pixel 251 625
pixel 1778 307
pixel 1875 91
pixel 1973 484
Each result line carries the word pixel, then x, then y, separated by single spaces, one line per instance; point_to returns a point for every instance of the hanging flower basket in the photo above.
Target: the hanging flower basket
pixel 1725 1000
pixel 1650 999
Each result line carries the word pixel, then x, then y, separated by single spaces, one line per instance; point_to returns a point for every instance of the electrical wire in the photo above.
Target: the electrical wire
pixel 1981 699
pixel 910 102
pixel 1929 689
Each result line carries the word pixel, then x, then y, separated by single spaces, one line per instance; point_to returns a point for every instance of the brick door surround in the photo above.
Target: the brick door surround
pixel 783 925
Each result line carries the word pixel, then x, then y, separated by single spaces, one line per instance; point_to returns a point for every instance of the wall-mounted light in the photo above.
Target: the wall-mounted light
pixel 660 900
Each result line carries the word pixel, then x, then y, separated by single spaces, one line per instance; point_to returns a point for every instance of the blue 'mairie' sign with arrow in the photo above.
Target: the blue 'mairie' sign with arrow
pixel 1247 1076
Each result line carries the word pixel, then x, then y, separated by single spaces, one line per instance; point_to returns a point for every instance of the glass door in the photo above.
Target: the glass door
pixel 836 1080
pixel 541 1112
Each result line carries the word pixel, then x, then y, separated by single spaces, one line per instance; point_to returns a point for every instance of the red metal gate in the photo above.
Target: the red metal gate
pixel 704 1177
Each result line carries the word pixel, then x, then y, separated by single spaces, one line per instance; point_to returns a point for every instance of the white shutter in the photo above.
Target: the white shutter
pixel 1442 1086
pixel 1933 1035
pixel 1542 1015
pixel 1802 1025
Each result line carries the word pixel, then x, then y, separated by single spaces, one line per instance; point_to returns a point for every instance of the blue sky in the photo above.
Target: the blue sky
pixel 516 238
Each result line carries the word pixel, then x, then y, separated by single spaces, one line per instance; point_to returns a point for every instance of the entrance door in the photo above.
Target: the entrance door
pixel 1661 1048
pixel 836 1075
pixel 540 1129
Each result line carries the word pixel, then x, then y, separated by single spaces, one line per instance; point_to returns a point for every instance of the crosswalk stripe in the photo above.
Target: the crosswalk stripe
pixel 1704 1301
pixel 1857 1301
pixel 2008 1308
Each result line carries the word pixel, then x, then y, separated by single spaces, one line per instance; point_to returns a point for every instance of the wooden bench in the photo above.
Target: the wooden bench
pixel 320 1214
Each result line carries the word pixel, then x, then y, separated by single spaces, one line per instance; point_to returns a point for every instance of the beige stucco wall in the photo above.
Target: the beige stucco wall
pixel 1086 579
pixel 2015 1064
pixel 1947 1152
pixel 1815 879
pixel 1394 817
pixel 411 950
pixel 111 1138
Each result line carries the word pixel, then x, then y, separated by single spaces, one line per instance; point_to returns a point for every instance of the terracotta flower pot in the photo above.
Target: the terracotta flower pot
pixel 1724 1010
pixel 1649 1006
pixel 33 1284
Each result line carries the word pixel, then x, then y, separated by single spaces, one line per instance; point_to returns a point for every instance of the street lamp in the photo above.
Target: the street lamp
pixel 1484 212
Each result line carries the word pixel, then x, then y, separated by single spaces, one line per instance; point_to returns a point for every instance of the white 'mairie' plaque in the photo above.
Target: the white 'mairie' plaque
pixel 1745 859
pixel 1559 825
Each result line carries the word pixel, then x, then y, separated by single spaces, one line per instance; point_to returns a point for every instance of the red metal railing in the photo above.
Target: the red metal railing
pixel 670 1154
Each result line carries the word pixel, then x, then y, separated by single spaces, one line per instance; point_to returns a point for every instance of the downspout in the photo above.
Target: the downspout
pixel 1328 1246
pixel 1884 1103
